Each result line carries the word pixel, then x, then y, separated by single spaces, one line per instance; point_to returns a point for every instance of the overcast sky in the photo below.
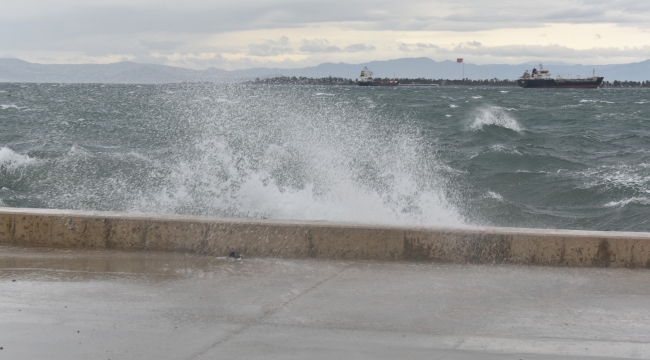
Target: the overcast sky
pixel 235 34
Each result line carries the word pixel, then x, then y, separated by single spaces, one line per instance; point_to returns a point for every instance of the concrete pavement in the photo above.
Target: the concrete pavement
pixel 104 304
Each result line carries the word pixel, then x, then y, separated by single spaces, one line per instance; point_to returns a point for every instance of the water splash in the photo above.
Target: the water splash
pixel 305 159
pixel 11 160
pixel 283 153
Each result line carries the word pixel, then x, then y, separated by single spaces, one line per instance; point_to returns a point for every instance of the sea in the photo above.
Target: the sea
pixel 423 156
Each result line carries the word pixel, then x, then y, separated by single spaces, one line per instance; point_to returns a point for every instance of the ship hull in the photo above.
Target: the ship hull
pixel 561 83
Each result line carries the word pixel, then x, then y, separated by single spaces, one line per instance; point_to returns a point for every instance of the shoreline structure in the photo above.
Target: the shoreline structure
pixel 322 239
pixel 405 82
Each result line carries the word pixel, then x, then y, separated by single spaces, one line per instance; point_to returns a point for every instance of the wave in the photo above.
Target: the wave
pixel 632 200
pixel 495 196
pixel 622 176
pixel 504 149
pixel 494 116
pixel 335 161
pixel 8 106
pixel 596 101
pixel 12 160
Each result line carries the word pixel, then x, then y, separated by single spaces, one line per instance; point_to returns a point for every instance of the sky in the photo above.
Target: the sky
pixel 239 34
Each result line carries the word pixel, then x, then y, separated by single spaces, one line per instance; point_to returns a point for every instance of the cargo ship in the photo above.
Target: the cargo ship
pixel 365 79
pixel 541 79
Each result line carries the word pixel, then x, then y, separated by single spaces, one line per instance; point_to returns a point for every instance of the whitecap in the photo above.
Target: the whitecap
pixel 532 172
pixel 494 116
pixel 453 106
pixel 504 92
pixel 12 160
pixel 596 101
pixel 222 100
pixel 323 94
pixel 503 149
pixel 632 200
pixel 8 106
pixel 477 97
pixel 447 115
pixel 494 195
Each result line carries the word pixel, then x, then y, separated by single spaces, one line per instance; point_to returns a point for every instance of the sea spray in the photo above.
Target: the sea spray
pixel 278 154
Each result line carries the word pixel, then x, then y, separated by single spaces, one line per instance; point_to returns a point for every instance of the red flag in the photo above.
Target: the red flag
pixel 459 60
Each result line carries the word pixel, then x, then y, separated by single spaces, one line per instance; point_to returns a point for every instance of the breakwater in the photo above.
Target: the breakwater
pixel 317 239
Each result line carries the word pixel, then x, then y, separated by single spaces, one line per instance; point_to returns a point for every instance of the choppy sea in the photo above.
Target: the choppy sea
pixel 575 159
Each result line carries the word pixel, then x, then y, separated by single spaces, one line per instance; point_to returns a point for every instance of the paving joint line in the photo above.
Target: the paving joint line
pixel 273 309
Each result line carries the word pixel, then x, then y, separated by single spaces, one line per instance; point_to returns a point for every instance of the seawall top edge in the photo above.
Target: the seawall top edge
pixel 323 223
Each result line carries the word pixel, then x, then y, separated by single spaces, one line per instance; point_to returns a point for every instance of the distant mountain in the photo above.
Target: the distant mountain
pixel 14 70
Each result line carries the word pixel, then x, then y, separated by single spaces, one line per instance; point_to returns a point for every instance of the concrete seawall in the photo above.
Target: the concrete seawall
pixel 315 239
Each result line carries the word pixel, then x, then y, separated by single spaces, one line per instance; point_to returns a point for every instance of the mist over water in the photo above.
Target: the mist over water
pixel 427 156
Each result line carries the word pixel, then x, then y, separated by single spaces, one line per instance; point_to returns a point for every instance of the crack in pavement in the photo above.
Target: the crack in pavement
pixel 277 306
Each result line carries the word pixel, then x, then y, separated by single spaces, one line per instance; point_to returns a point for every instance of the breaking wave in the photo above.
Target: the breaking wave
pixel 633 200
pixel 11 160
pixel 494 116
pixel 282 154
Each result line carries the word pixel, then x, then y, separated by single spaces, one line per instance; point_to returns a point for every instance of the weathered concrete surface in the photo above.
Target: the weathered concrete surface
pixel 325 240
pixel 107 304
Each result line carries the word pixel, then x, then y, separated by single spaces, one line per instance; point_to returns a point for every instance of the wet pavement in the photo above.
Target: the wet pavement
pixel 70 304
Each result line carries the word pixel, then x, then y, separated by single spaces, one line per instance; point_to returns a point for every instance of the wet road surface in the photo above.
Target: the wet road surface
pixel 71 304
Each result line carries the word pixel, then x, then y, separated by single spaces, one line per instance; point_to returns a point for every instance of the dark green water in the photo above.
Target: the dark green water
pixel 577 159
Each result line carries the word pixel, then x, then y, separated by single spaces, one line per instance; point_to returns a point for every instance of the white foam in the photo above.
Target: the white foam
pixel 298 161
pixel 323 94
pixel 504 92
pixel 8 106
pixel 12 160
pixel 622 176
pixel 632 200
pixel 453 106
pixel 504 149
pixel 596 101
pixel 494 195
pixel 494 116
pixel 477 97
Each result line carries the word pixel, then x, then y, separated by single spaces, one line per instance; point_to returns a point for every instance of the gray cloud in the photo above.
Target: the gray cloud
pixel 162 45
pixel 270 47
pixel 323 46
pixel 358 48
pixel 417 47
pixel 551 52
pixel 141 28
pixel 51 20
pixel 318 46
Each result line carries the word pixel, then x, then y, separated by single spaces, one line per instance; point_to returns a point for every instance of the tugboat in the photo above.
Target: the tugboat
pixel 542 79
pixel 365 79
